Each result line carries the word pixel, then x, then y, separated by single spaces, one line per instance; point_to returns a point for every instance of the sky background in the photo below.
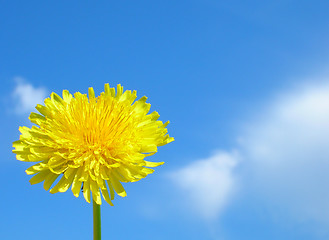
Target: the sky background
pixel 245 85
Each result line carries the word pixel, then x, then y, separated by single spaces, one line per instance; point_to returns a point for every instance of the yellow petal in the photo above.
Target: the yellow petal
pixel 43 110
pixel 57 100
pixel 36 168
pixel 67 97
pixel 153 164
pixel 39 177
pixel 119 91
pixel 91 93
pixel 95 192
pixel 76 184
pixel 118 187
pixel 105 194
pixel 37 118
pixel 149 148
pixel 50 179
pixel 107 89
pixel 111 189
pixel 86 191
pixel 63 184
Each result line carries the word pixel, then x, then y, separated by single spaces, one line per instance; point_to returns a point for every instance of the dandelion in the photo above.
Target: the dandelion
pixel 91 143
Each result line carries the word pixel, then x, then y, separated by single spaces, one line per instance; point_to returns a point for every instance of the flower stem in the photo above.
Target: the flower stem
pixel 97 221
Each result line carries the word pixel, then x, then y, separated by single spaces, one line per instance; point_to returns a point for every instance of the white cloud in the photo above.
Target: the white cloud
pixel 282 157
pixel 26 96
pixel 286 149
pixel 207 184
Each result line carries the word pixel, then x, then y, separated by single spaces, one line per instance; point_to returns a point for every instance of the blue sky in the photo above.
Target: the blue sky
pixel 245 85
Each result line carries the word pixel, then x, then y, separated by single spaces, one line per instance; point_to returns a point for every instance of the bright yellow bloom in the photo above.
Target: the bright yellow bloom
pixel 94 143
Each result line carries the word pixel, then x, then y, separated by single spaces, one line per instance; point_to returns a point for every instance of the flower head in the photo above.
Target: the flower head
pixel 94 143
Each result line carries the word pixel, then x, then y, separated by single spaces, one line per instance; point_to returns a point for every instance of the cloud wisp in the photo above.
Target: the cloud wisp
pixel 282 157
pixel 207 184
pixel 286 149
pixel 26 96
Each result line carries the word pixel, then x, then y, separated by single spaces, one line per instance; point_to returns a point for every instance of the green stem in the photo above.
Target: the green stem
pixel 97 221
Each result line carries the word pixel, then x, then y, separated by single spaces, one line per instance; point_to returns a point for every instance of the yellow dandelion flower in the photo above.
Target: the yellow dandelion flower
pixel 94 143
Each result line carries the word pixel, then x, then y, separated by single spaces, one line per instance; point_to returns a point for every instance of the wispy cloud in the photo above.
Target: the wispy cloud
pixel 286 149
pixel 26 96
pixel 207 184
pixel 282 157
